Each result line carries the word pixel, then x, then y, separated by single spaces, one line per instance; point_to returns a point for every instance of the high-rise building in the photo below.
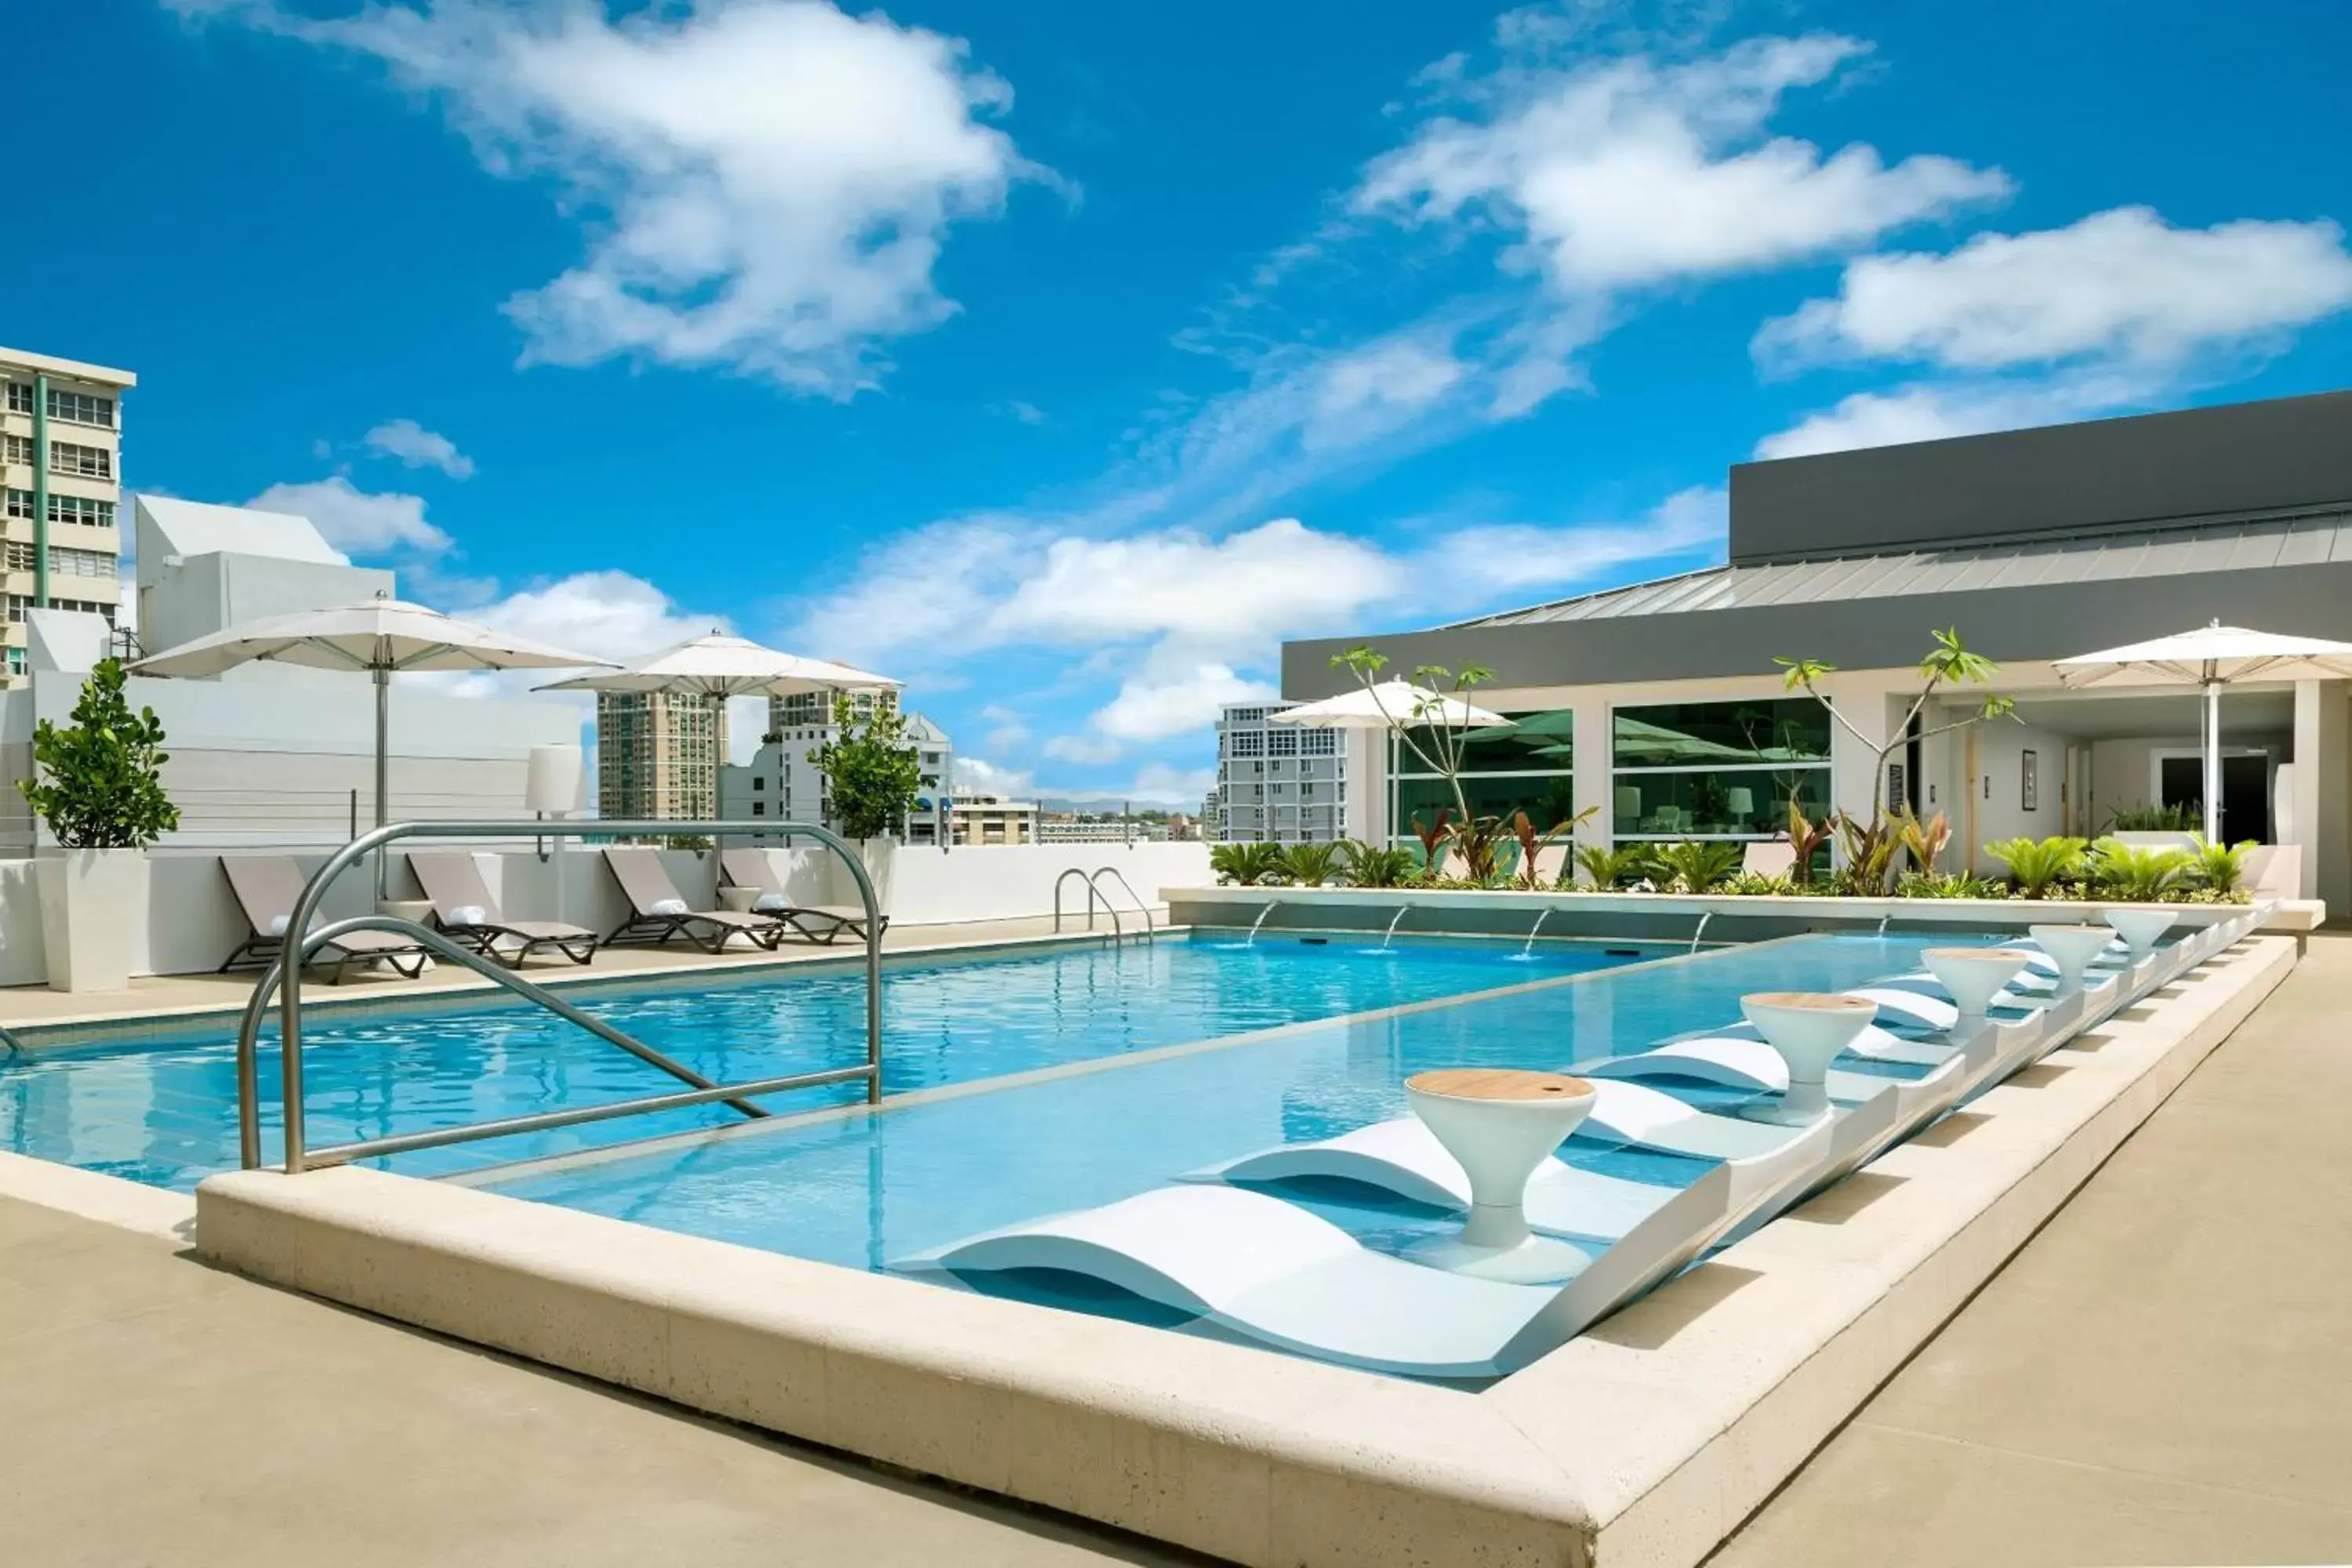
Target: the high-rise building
pixel 657 755
pixel 1286 783
pixel 783 778
pixel 60 482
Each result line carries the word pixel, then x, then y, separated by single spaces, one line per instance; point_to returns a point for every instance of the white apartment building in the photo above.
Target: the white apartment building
pixel 783 780
pixel 60 484
pixel 985 819
pixel 1286 783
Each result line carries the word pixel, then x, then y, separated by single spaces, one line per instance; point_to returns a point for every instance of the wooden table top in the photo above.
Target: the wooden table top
pixel 1496 1083
pixel 1817 1001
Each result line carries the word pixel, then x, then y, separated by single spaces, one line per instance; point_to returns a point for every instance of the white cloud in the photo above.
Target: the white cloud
pixel 358 521
pixel 614 614
pixel 1160 784
pixel 1085 749
pixel 418 447
pixel 973 773
pixel 1927 412
pixel 1152 707
pixel 1631 173
pixel 1025 413
pixel 765 185
pixel 2120 286
pixel 1378 386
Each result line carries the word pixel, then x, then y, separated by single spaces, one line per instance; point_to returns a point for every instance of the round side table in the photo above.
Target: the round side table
pixel 1499 1124
pixel 1974 975
pixel 1809 1028
pixel 741 899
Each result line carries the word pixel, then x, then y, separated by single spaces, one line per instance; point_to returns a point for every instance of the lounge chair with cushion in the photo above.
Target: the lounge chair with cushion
pixel 752 867
pixel 464 907
pixel 658 913
pixel 268 887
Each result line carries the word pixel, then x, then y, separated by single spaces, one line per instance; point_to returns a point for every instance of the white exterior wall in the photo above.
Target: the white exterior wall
pixel 2322 789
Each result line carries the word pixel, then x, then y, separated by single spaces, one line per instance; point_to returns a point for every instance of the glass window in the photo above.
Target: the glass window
pixel 81 510
pixel 20 503
pixel 17 449
pixel 1282 740
pixel 77 461
pixel 1530 742
pixel 1249 742
pixel 1713 804
pixel 81 408
pixel 1548 800
pixel 20 397
pixel 1700 734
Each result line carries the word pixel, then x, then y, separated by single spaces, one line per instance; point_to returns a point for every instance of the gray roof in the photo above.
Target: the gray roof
pixel 2210 546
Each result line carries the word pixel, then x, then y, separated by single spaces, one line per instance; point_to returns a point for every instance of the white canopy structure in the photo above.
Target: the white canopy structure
pixel 381 636
pixel 2213 656
pixel 1387 705
pixel 717 665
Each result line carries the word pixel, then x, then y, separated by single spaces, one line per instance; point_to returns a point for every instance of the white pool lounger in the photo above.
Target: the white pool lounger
pixel 1267 1270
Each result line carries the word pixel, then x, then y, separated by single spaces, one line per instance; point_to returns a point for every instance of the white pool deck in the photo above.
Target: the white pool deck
pixel 1256 1458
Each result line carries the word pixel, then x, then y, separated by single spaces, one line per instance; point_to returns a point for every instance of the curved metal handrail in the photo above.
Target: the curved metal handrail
pixel 291 992
pixel 1150 929
pixel 1117 928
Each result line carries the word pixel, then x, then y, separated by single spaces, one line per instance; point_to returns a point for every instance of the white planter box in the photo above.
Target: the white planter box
pixel 93 909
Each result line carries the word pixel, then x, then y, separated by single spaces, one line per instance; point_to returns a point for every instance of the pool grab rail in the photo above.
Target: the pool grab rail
pixel 1095 893
pixel 701 1090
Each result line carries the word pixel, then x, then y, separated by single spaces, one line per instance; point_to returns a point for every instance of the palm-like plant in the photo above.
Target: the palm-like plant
pixel 1613 868
pixel 2138 873
pixel 1805 840
pixel 2034 864
pixel 1376 864
pixel 1249 865
pixel 1698 865
pixel 2222 866
pixel 1310 865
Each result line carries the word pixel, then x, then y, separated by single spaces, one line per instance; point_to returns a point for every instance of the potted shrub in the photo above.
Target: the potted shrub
pixel 97 784
pixel 873 778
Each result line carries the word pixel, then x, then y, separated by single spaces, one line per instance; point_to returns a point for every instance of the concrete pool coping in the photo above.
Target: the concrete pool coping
pixel 1643 1441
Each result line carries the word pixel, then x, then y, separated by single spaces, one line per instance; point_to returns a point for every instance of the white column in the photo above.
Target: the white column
pixel 1367 753
pixel 1591 778
pixel 2323 791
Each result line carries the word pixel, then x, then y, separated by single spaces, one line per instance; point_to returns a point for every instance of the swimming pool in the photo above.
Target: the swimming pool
pixel 160 1106
pixel 863 1190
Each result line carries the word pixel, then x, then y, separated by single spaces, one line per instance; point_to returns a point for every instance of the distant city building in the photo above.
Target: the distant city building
pixel 1076 828
pixel 60 483
pixel 1286 783
pixel 1184 829
pixel 985 819
pixel 783 779
pixel 655 752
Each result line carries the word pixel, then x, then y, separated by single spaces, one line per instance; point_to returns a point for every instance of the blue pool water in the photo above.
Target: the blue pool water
pixel 864 1190
pixel 161 1108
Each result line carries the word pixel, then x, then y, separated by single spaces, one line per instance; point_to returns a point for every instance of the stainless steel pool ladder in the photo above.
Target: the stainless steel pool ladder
pixel 700 1090
pixel 1095 894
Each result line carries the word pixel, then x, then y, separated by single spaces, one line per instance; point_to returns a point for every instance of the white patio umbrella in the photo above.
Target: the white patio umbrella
pixel 2213 656
pixel 718 665
pixel 1389 703
pixel 382 636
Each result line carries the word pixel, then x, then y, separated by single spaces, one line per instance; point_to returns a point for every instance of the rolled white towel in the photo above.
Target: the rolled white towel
pixel 666 907
pixel 770 903
pixel 278 924
pixel 468 915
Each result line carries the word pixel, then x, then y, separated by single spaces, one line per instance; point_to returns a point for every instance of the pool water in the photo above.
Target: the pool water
pixel 161 1108
pixel 863 1190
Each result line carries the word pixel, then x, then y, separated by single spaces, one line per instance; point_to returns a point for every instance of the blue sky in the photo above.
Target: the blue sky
pixel 1060 359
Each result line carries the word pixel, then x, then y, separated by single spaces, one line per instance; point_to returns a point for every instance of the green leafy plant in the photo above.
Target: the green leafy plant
pixel 1440 696
pixel 1698 865
pixel 1611 869
pixel 1871 844
pixel 1310 865
pixel 1756 885
pixel 1805 840
pixel 1533 844
pixel 1924 841
pixel 98 782
pixel 1949 885
pixel 2146 818
pixel 2222 866
pixel 2137 873
pixel 1374 865
pixel 2036 864
pixel 871 773
pixel 1249 865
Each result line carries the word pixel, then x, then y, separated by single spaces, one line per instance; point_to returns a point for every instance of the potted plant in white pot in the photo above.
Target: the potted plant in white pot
pixel 97 784
pixel 873 777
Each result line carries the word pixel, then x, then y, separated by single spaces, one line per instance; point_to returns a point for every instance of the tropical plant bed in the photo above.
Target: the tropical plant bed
pixel 1241 905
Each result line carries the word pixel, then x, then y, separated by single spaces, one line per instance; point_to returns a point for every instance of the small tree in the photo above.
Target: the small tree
pixel 98 784
pixel 1870 846
pixel 1440 695
pixel 874 774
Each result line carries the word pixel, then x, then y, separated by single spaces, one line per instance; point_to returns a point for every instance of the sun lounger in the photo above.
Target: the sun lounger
pixel 1267 1270
pixel 658 912
pixel 268 887
pixel 463 907
pixel 749 867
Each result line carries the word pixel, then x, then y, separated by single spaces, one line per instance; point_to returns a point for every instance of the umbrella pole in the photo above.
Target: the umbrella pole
pixel 2213 761
pixel 383 766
